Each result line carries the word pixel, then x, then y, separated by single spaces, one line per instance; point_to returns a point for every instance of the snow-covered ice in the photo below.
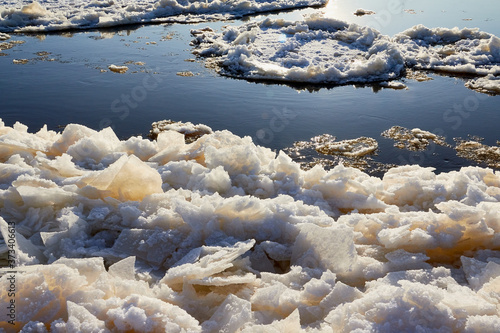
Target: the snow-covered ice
pixel 222 235
pixel 50 15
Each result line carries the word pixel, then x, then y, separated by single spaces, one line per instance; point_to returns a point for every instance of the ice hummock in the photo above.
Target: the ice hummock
pixel 329 51
pixel 51 15
pixel 223 235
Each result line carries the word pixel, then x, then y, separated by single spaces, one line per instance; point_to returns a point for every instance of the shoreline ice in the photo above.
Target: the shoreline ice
pixel 223 235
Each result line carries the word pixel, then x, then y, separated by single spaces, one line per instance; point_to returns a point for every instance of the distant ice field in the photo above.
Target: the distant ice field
pixel 53 15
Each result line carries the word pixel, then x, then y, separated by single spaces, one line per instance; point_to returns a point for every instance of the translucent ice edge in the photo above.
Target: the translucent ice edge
pixel 53 15
pixel 221 235
pixel 327 50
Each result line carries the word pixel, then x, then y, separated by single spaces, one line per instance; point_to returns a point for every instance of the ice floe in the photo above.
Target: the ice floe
pixel 6 45
pixel 52 15
pixel 325 150
pixel 316 50
pixel 473 149
pixel 466 51
pixel 414 139
pixel 222 235
pixel 326 50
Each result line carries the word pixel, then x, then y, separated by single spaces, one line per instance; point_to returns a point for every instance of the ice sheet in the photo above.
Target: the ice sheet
pixel 223 235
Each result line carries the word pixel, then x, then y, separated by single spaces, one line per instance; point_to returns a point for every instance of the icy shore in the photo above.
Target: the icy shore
pixel 223 235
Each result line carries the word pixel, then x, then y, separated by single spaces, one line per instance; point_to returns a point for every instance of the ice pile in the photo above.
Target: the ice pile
pixel 317 50
pixel 326 50
pixel 223 235
pixel 52 15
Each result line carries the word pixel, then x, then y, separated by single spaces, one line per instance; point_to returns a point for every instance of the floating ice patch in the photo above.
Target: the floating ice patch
pixel 353 148
pixel 326 151
pixel 316 50
pixel 118 69
pixel 393 85
pixel 414 139
pixel 221 235
pixel 361 12
pixel 66 14
pixel 474 150
pixel 10 44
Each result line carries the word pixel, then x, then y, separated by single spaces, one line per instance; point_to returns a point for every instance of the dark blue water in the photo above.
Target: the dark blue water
pixel 72 89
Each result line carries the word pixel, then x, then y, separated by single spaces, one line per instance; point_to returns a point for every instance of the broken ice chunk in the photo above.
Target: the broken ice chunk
pixel 231 315
pixel 123 269
pixel 213 260
pixel 127 179
pixel 27 253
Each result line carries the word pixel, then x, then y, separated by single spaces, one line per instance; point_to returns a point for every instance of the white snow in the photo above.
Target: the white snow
pixel 49 15
pixel 223 235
